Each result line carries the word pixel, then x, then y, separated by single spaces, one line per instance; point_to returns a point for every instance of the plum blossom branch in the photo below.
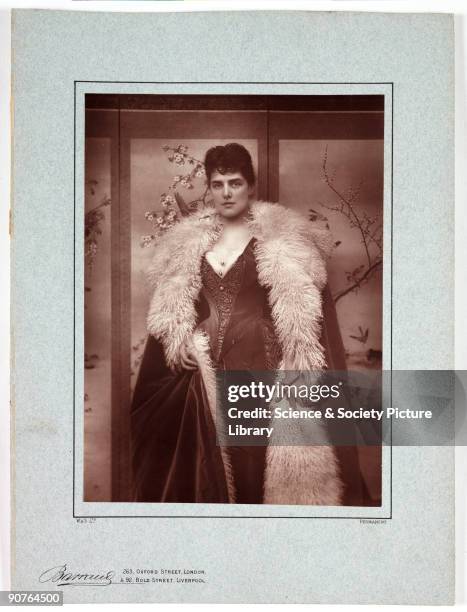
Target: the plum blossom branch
pixel 171 204
pixel 369 228
pixel 92 228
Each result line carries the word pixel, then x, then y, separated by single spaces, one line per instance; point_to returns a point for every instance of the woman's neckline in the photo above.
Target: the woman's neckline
pixel 232 265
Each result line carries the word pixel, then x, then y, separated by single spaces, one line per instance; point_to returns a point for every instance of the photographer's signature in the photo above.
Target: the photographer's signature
pixel 62 576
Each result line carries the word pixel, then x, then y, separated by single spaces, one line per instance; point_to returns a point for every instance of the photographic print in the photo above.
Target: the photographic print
pixel 204 203
pixel 246 231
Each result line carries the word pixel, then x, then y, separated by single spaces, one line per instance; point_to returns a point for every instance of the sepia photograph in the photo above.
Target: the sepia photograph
pixel 233 331
pixel 226 233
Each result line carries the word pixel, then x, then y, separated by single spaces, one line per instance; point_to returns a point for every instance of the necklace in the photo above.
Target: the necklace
pixel 219 264
pixel 219 261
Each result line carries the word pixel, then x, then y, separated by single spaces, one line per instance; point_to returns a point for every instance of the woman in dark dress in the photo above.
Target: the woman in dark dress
pixel 236 287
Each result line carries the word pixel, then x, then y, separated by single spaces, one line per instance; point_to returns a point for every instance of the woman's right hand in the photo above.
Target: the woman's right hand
pixel 187 358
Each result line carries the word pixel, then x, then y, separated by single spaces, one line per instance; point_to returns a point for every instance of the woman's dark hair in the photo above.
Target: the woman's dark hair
pixel 232 157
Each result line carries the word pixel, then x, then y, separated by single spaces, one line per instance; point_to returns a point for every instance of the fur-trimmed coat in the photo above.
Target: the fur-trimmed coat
pixel 291 263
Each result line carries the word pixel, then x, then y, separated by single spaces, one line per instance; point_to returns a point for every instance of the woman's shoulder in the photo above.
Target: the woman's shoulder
pixel 202 218
pixel 188 228
pixel 275 220
pixel 180 244
pixel 276 217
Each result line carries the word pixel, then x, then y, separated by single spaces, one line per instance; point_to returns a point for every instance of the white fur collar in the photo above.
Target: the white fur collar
pixel 290 255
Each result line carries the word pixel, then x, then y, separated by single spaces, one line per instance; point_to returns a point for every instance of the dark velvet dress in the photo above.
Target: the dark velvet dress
pixel 174 452
pixel 175 457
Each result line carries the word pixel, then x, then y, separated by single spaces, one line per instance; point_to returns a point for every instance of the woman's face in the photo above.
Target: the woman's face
pixel 231 194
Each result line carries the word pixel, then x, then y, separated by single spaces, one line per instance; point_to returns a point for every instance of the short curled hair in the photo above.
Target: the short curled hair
pixel 232 157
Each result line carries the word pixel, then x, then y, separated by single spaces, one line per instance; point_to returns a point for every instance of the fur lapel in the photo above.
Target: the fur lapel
pixel 290 256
